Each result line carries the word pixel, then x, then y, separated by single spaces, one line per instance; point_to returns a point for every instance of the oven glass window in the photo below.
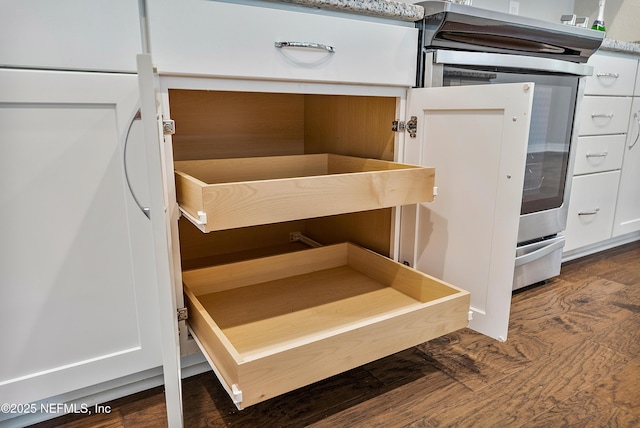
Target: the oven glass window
pixel 552 120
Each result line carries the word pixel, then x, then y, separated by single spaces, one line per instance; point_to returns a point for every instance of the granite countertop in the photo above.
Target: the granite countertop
pixel 620 46
pixel 382 8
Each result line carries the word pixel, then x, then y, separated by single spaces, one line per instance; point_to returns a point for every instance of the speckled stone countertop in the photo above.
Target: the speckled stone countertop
pixel 382 8
pixel 620 46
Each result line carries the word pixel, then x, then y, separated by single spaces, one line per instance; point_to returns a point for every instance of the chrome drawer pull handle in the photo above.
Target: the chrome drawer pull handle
pixel 592 212
pixel 608 115
pixel 614 75
pixel 636 116
pixel 597 155
pixel 310 45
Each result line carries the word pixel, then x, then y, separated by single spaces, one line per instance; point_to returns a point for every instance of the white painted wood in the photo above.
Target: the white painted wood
pixel 161 220
pixel 476 138
pixel 591 209
pixel 78 299
pixel 613 74
pixel 196 37
pixel 70 34
pixel 604 115
pixel 636 91
pixel 599 153
pixel 627 217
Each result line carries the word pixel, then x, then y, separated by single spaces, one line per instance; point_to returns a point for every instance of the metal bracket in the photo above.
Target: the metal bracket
pixel 168 127
pixel 299 237
pixel 200 222
pixel 183 314
pixel 398 126
pixel 410 126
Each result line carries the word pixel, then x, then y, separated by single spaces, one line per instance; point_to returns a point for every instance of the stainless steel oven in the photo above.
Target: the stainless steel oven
pixel 463 45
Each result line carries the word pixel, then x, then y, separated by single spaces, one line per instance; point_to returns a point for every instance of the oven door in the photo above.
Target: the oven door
pixel 549 153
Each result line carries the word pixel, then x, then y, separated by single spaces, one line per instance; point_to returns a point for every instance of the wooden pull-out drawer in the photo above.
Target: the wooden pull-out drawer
pixel 275 324
pixel 219 194
pixel 599 153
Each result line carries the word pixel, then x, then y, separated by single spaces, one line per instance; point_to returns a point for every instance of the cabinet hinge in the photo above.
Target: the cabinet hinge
pixel 168 127
pixel 411 126
pixel 183 314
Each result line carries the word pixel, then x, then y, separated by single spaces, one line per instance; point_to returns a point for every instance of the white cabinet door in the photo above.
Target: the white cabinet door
pixel 476 138
pixel 78 303
pixel 627 217
pixel 70 34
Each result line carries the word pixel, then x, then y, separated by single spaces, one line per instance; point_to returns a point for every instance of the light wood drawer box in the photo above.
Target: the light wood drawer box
pixel 613 74
pixel 599 153
pixel 226 39
pixel 251 191
pixel 604 115
pixel 275 324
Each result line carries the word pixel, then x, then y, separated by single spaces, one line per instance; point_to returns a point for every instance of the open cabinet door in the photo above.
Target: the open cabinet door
pixel 476 138
pixel 160 218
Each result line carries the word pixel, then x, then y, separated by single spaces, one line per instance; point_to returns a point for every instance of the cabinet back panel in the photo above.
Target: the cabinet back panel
pixel 369 229
pixel 207 249
pixel 220 124
pixel 349 125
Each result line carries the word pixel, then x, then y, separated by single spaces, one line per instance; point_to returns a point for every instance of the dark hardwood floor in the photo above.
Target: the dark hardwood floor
pixel 572 359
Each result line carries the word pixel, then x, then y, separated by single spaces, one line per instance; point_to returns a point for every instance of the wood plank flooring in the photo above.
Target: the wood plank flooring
pixel 572 359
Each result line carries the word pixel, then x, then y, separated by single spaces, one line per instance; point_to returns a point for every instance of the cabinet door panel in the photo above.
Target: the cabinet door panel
pixel 77 277
pixel 476 138
pixel 627 217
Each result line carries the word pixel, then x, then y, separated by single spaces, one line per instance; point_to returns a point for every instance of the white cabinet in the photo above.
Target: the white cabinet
pixel 602 145
pixel 211 38
pixel 70 34
pixel 78 300
pixel 614 74
pixel 591 209
pixel 468 234
pixel 627 218
pixel 604 115
pixel 233 262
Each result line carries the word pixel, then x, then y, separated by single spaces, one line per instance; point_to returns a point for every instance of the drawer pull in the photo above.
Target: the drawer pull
pixel 592 212
pixel 145 210
pixel 636 116
pixel 614 75
pixel 310 45
pixel 597 155
pixel 607 115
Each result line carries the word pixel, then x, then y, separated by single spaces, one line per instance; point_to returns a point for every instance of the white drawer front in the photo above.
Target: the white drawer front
pixel 613 74
pixel 599 153
pixel 591 209
pixel 199 37
pixel 604 115
pixel 70 35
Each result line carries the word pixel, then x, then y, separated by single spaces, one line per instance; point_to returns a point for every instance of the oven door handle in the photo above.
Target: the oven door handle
pixel 540 252
pixel 511 61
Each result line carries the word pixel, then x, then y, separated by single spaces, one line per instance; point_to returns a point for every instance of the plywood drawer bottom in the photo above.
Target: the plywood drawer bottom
pixel 275 324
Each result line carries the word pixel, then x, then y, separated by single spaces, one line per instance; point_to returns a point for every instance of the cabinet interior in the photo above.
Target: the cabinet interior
pixel 226 124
